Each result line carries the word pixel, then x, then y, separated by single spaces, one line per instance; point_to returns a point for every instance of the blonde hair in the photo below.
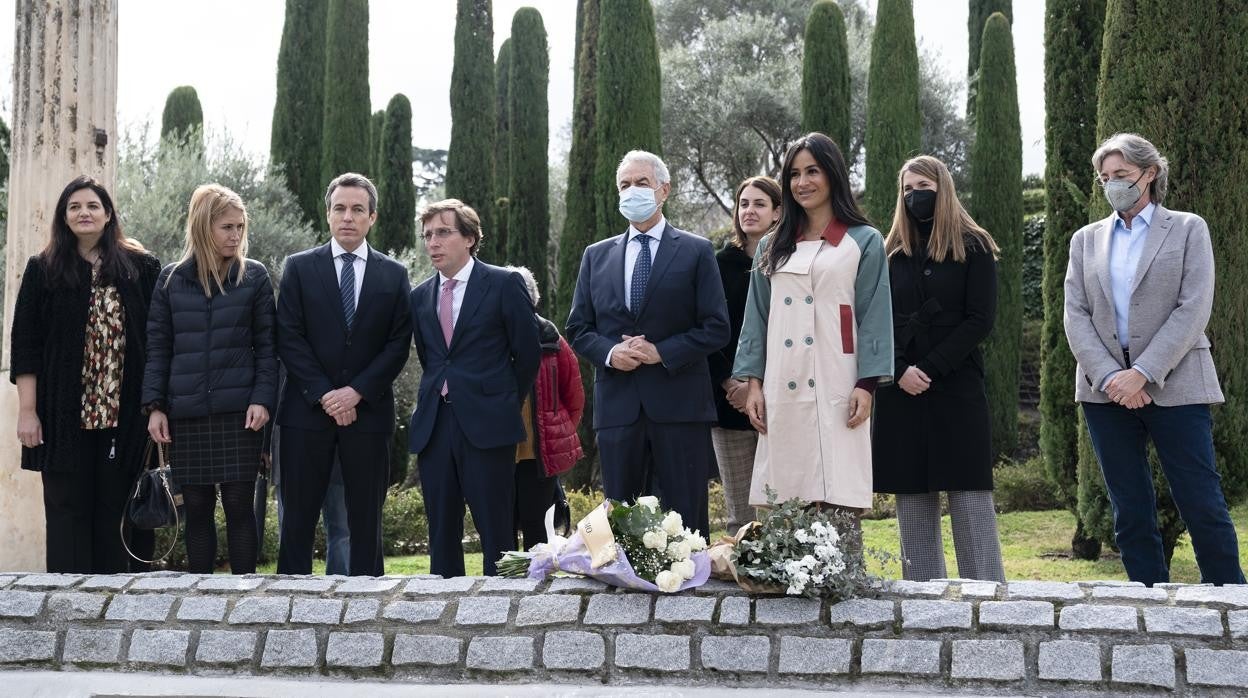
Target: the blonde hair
pixel 208 203
pixel 951 224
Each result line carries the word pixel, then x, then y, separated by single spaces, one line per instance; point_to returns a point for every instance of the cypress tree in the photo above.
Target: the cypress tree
pixel 1072 59
pixel 1152 49
pixel 5 143
pixel 183 117
pixel 894 125
pixel 494 247
pixel 528 193
pixel 825 74
pixel 376 144
pixel 470 157
pixel 396 215
pixel 345 144
pixel 629 100
pixel 580 221
pixel 295 142
pixel 997 205
pixel 978 12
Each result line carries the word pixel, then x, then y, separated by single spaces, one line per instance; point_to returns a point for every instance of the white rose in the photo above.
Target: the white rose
pixel 656 540
pixel 651 503
pixel 679 550
pixel 668 581
pixel 696 543
pixel 672 524
pixel 684 568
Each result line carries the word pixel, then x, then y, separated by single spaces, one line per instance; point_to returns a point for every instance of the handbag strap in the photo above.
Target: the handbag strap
pixel 177 519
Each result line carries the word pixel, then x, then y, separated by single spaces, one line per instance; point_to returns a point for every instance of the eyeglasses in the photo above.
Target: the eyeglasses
pixel 440 233
pixel 1101 180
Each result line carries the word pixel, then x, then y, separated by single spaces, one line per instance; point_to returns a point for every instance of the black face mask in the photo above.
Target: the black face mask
pixel 921 203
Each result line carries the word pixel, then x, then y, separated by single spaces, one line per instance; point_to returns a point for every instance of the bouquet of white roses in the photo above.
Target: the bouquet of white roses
pixel 636 546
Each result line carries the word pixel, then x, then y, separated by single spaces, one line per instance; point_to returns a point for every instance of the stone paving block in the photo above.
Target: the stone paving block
pixel 1045 591
pixel 1096 617
pixel 106 582
pixel 317 611
pixel 415 611
pixel 47 581
pixel 573 649
pixel 311 585
pixel 354 649
pixel 786 611
pixel 26 645
pixel 546 609
pixel 1069 660
pixel 862 613
pixel 165 647
pixel 153 583
pixel 1238 622
pixel 658 652
pixel 1130 593
pixel 83 646
pixel 815 655
pixel 208 608
pixel 1217 667
pixel 454 585
pixel 901 657
pixel 566 584
pixel 995 660
pixel 75 605
pixel 6 580
pixel 361 610
pixel 500 653
pixel 904 587
pixel 1183 621
pixel 718 586
pixel 21 604
pixel 979 590
pixel 226 646
pixel 1143 664
pixel 1016 614
pixel 736 653
pixel 425 649
pixel 684 609
pixel 367 585
pixel 483 610
pixel 734 610
pixel 260 609
pixel 289 648
pixel 618 609
pixel 152 607
pixel 509 584
pixel 919 614
pixel 229 582
pixel 1229 596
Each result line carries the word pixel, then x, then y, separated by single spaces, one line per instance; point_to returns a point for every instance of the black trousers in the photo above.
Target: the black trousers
pixel 535 493
pixel 84 507
pixel 307 459
pixel 673 459
pixel 453 471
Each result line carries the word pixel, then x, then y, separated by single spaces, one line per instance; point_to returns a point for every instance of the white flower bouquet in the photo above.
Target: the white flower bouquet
pixel 635 546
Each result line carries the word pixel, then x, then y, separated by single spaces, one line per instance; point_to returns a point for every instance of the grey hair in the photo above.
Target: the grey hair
pixel 530 283
pixel 1138 151
pixel 660 169
pixel 352 179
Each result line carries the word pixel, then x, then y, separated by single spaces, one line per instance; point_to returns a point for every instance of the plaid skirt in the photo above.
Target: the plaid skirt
pixel 214 449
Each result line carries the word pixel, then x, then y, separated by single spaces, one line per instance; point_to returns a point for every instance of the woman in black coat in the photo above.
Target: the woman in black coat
pixel 77 360
pixel 931 424
pixel 211 378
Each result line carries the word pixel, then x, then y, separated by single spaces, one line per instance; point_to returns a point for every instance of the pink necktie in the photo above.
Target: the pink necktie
pixel 446 312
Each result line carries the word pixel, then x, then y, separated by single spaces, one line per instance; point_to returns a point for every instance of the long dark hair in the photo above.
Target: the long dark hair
pixel 793 217
pixel 60 256
pixel 763 183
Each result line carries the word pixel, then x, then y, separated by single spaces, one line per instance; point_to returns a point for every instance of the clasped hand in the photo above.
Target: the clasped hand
pixel 914 381
pixel 633 352
pixel 1126 388
pixel 340 405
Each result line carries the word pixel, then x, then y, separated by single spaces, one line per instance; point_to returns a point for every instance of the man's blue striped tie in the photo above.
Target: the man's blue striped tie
pixel 346 287
pixel 641 274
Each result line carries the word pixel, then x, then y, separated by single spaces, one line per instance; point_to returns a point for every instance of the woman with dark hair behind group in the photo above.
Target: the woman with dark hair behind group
pixel 79 327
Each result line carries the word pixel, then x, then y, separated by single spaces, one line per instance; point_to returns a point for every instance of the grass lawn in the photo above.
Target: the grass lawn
pixel 1035 545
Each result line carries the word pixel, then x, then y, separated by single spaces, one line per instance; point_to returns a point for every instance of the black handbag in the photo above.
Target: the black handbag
pixel 155 502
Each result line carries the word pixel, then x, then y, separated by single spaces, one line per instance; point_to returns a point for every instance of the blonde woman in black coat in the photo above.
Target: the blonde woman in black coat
pixel 211 379
pixel 932 425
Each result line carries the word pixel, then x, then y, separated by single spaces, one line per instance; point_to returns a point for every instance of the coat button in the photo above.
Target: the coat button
pixel 809 300
pixel 788 300
pixel 810 382
pixel 792 385
pixel 788 342
pixel 927 272
pixel 809 341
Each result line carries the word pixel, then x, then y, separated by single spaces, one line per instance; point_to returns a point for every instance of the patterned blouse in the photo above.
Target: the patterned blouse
pixel 103 357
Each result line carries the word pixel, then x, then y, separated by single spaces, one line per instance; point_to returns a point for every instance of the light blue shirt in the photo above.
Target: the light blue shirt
pixel 1125 247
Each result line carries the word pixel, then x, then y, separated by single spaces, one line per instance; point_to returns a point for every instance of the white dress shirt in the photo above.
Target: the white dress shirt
pixel 457 294
pixel 632 249
pixel 360 264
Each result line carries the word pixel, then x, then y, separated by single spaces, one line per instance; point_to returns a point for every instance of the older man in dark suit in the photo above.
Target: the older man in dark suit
pixel 647 311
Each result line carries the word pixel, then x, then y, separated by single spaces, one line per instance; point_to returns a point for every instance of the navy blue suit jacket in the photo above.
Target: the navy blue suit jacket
pixel 684 314
pixel 319 352
pixel 490 365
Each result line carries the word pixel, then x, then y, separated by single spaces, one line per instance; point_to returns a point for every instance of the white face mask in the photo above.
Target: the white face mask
pixel 1121 194
pixel 637 204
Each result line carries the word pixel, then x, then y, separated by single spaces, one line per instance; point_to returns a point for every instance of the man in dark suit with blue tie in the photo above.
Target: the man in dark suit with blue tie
pixel 343 333
pixel 479 347
pixel 647 311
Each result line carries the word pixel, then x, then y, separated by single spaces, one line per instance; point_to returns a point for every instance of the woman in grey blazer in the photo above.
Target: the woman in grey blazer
pixel 1139 291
